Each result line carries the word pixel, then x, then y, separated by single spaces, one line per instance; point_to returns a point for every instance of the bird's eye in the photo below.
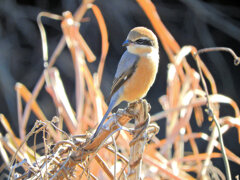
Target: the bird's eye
pixel 144 42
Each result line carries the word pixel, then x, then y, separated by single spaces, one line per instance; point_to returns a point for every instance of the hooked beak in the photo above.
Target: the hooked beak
pixel 126 43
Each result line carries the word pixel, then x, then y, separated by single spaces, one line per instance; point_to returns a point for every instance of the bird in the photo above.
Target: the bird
pixel 136 71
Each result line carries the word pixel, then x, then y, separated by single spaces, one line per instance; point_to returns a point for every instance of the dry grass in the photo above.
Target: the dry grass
pixel 116 154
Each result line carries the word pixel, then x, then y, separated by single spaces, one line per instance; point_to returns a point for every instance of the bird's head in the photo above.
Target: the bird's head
pixel 141 40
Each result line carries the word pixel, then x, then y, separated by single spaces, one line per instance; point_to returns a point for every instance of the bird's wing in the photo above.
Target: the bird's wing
pixel 126 61
pixel 125 69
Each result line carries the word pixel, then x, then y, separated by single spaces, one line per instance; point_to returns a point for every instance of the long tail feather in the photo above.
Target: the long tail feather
pixel 110 107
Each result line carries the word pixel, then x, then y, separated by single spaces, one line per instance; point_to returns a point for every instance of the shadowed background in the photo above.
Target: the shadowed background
pixel 199 23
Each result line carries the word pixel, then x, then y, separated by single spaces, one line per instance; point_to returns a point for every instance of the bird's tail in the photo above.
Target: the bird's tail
pixel 110 107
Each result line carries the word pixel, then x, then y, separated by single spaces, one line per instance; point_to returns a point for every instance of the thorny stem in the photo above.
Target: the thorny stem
pixel 210 111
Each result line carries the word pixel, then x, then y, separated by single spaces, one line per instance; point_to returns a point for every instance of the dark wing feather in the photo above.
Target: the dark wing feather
pixel 118 82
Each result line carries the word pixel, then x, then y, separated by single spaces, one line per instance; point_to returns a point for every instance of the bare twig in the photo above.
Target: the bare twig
pixel 229 50
pixel 212 115
pixel 37 124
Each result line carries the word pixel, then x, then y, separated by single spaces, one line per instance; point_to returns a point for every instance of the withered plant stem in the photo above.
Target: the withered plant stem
pixel 212 115
pixel 78 16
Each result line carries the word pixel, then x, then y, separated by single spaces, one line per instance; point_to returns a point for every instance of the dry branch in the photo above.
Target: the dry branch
pixel 67 154
pixel 138 142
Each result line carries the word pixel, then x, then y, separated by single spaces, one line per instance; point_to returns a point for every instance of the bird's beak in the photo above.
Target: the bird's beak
pixel 126 43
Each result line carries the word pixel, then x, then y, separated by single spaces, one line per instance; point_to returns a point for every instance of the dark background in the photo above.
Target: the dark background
pixel 191 22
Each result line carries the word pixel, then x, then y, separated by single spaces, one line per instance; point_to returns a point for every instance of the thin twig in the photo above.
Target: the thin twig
pixel 94 153
pixel 62 166
pixel 229 50
pixel 35 153
pixel 212 115
pixel 23 142
pixel 82 167
pixel 45 153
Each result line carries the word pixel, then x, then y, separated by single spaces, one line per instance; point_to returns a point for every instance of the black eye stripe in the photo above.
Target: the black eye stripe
pixel 144 42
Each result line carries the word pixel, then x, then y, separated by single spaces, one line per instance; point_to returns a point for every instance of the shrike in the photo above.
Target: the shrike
pixel 136 71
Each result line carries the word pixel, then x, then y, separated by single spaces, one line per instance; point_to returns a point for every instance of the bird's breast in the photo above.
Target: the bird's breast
pixel 142 79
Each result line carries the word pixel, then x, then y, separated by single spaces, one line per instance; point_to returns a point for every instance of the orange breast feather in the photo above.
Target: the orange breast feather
pixel 141 81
